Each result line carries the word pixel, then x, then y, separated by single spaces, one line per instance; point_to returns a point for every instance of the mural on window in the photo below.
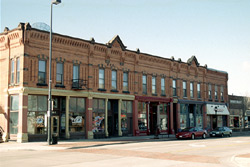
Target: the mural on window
pixel 199 116
pixel 163 117
pixel 37 114
pixel 142 116
pixel 126 117
pixel 98 122
pixel 76 115
pixel 183 116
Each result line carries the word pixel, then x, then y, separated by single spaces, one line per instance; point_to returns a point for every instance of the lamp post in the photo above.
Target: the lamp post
pixel 56 2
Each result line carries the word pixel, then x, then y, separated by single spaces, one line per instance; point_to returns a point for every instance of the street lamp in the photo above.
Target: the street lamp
pixel 53 2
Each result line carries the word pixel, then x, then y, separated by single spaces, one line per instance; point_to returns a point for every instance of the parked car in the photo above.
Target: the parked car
pixel 221 131
pixel 191 132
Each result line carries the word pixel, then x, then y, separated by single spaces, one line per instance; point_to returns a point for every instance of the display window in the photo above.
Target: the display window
pixel 142 116
pixel 126 117
pixel 163 117
pixel 183 116
pixel 37 114
pixel 76 114
pixel 98 119
pixel 199 116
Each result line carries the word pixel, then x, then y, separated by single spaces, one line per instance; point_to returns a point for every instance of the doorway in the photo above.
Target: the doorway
pixel 113 117
pixel 153 118
pixel 58 117
pixel 214 121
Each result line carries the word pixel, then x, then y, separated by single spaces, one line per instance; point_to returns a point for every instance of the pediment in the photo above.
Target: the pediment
pixel 117 43
pixel 193 61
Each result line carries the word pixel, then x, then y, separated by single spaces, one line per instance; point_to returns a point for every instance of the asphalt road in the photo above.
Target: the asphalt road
pixel 211 152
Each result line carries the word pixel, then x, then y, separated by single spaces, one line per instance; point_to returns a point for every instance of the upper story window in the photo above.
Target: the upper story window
pixel 199 90
pixel 125 81
pixel 101 79
pixel 17 70
pixel 216 92
pixel 14 102
pixel 163 86
pixel 184 86
pixel 59 73
pixel 174 88
pixel 144 84
pixel 114 80
pixel 191 89
pixel 222 93
pixel 209 91
pixel 76 76
pixel 42 71
pixel 12 71
pixel 153 85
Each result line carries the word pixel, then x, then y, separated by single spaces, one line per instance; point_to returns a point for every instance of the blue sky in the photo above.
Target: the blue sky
pixel 217 32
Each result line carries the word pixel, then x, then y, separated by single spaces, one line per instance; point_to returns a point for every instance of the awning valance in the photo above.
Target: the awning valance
pixel 214 109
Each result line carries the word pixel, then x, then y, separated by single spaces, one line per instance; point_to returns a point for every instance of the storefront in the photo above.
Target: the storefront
pixel 154 115
pixel 217 115
pixel 191 114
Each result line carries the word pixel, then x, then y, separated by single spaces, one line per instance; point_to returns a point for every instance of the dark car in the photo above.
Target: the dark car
pixel 221 131
pixel 191 132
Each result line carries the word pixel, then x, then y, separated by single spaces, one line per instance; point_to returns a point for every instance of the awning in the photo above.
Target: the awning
pixel 221 109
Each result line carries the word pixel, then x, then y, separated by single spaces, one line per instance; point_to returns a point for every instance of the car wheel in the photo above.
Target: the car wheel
pixel 230 135
pixel 203 136
pixel 192 136
pixel 222 135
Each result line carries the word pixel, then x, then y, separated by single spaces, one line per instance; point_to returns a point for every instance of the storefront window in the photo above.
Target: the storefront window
pixel 199 116
pixel 208 122
pixel 219 121
pixel 37 114
pixel 183 116
pixel 76 115
pixel 126 117
pixel 98 122
pixel 142 116
pixel 163 117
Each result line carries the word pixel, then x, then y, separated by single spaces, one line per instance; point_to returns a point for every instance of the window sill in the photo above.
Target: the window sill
pixel 216 100
pixel 113 90
pixel 163 95
pixel 59 86
pixel 210 99
pixel 41 84
pixel 102 90
pixel 125 92
pixel 155 94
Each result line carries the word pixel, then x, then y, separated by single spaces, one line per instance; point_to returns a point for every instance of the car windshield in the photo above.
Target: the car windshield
pixel 218 128
pixel 187 129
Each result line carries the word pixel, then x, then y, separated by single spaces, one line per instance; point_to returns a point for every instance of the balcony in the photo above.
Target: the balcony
pixel 79 84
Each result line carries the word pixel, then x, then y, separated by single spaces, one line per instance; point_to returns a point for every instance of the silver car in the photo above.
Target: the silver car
pixel 221 131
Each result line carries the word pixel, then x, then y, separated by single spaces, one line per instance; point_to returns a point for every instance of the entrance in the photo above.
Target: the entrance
pixel 58 117
pixel 214 121
pixel 113 117
pixel 191 115
pixel 153 118
pixel 13 123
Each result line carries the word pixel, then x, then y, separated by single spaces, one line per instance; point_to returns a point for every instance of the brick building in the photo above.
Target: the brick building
pixel 101 90
pixel 239 112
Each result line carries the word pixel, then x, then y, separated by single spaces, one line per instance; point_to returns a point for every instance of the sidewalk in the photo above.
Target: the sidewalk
pixel 83 143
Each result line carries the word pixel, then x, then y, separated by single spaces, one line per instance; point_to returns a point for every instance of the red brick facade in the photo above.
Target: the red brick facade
pixel 31 45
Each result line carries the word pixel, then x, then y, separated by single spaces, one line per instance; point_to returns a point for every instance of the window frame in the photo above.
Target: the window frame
pixel 222 93
pixel 191 89
pixel 114 80
pixel 125 81
pixel 163 90
pixel 154 88
pixel 174 87
pixel 42 72
pixel 184 84
pixel 198 90
pixel 59 74
pixel 101 79
pixel 18 70
pixel 12 73
pixel 144 85
pixel 216 92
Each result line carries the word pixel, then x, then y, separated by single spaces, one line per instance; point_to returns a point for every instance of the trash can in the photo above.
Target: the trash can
pixel 54 139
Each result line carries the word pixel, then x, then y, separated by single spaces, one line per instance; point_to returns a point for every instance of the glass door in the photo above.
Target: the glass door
pixel 55 125
pixel 13 122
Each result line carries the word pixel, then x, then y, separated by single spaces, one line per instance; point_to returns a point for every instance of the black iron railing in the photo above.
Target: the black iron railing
pixel 79 84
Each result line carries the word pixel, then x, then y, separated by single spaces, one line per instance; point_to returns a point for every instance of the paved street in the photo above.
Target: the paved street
pixel 212 152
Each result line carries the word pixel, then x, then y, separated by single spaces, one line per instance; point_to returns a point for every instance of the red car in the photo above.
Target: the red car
pixel 192 133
